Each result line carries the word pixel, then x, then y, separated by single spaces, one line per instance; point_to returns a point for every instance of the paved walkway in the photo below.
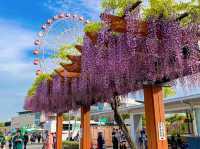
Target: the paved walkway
pixel 32 146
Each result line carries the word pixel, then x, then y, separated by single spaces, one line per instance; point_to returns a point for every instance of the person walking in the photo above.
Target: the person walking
pixel 100 141
pixel 2 141
pixel 32 138
pixel 39 136
pixel 54 140
pixel 114 140
pixel 26 139
pixel 18 141
pixel 49 141
pixel 173 143
pixel 10 143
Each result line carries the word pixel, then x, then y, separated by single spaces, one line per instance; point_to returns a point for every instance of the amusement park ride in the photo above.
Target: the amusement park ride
pixel 60 30
pixel 66 28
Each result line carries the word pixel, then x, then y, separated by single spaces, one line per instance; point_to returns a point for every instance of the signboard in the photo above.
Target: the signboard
pixel 103 120
pixel 162 132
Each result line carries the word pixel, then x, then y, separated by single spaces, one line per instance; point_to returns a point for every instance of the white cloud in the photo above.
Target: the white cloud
pixel 16 68
pixel 87 8
pixel 14 42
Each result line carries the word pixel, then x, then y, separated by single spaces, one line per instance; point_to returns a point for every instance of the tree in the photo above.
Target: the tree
pixel 120 122
pixel 168 91
pixel 117 6
pixel 2 124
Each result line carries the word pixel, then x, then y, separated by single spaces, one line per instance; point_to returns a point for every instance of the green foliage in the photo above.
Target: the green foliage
pixel 125 116
pixel 175 118
pixel 79 40
pixel 168 91
pixel 93 27
pixel 117 6
pixel 36 83
pixel 70 145
pixel 67 118
pixel 65 50
pixel 172 9
pixel 193 8
pixel 156 8
pixel 1 124
pixel 176 124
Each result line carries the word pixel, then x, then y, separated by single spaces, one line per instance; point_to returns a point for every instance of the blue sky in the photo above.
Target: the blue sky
pixel 20 20
pixel 19 23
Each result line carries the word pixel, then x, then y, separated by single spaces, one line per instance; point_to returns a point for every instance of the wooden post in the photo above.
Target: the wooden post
pixel 59 128
pixel 85 128
pixel 155 117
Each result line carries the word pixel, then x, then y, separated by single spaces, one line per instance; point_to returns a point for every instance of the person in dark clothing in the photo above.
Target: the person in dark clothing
pixel 33 137
pixel 39 136
pixel 123 142
pixel 173 143
pixel 179 141
pixel 54 140
pixel 100 141
pixel 114 140
pixel 10 143
pixel 18 140
pixel 2 141
pixel 26 139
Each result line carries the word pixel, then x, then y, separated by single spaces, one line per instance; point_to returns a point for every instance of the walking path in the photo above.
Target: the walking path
pixel 32 146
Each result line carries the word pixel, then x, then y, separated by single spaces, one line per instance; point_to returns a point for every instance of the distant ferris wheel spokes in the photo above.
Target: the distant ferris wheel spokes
pixel 57 33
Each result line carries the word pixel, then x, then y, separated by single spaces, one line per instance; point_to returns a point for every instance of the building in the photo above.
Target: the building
pixel 27 119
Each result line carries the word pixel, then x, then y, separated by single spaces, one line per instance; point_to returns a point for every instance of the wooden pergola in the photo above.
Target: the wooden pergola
pixel 155 115
pixel 153 95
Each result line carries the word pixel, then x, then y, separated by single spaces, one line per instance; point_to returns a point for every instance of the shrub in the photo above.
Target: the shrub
pixel 70 145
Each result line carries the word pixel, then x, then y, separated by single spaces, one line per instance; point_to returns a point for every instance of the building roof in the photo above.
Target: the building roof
pixel 24 112
pixel 178 104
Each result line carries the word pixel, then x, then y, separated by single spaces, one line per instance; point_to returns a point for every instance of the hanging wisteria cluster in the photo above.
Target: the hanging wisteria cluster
pixel 147 53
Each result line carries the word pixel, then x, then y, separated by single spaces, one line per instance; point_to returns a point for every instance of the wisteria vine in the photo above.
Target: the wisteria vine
pixel 121 63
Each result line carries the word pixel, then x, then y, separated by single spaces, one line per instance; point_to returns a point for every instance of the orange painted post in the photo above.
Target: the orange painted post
pixel 155 117
pixel 59 128
pixel 85 128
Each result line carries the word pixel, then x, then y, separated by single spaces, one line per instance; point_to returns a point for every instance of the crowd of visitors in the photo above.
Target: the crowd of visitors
pixel 19 140
pixel 142 139
pixel 118 139
pixel 177 142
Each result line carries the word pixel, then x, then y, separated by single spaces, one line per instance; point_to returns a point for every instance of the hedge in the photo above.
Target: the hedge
pixel 70 145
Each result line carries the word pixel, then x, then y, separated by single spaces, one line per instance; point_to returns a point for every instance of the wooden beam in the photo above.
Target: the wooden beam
pixel 72 67
pixel 59 128
pixel 74 59
pixel 117 24
pixel 85 128
pixel 64 74
pixel 79 48
pixel 155 117
pixel 93 36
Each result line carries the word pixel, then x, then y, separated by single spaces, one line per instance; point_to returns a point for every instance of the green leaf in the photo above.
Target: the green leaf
pixel 64 51
pixel 117 6
pixel 169 91
pixel 93 27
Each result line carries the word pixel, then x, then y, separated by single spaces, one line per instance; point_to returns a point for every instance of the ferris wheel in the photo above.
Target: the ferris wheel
pixel 58 34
